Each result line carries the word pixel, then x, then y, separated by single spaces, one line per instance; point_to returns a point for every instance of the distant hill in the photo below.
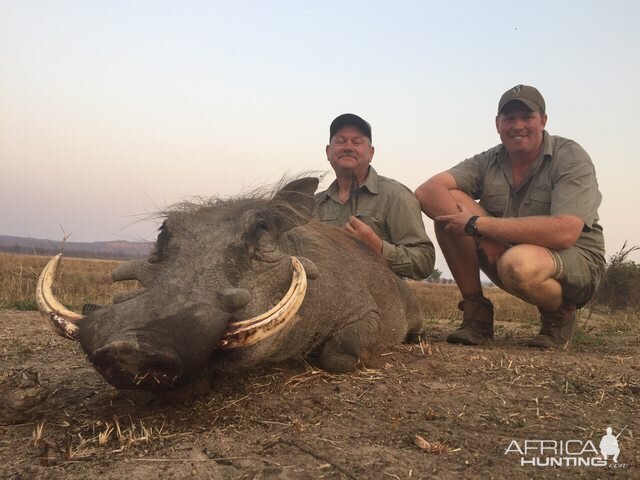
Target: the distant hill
pixel 114 250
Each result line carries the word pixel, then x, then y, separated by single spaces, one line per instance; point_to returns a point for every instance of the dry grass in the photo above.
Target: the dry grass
pixel 79 281
pixel 83 281
pixel 92 436
pixel 441 302
pixel 437 448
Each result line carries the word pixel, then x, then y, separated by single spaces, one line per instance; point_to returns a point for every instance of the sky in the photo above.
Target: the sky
pixel 112 111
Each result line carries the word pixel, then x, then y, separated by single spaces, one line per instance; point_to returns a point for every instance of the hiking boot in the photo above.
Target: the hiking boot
pixel 557 328
pixel 477 323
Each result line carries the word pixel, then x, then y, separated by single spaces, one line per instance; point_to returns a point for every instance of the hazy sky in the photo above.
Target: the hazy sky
pixel 112 110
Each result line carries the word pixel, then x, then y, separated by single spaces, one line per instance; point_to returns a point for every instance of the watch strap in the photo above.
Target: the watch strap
pixel 471 228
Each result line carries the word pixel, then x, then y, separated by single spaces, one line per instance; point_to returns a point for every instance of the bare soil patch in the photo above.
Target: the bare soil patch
pixel 430 410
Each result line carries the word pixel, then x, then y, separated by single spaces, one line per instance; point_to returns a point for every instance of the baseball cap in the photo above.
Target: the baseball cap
pixel 526 94
pixel 349 119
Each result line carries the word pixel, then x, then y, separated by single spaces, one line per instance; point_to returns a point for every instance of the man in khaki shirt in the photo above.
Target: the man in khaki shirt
pixel 382 213
pixel 534 230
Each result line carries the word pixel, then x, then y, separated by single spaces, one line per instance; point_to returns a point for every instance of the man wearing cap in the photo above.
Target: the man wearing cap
pixel 534 231
pixel 382 213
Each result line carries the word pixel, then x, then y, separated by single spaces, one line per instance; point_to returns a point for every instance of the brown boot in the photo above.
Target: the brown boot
pixel 557 327
pixel 477 323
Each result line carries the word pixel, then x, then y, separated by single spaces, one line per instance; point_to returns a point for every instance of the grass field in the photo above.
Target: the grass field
pixel 79 281
pixel 89 281
pixel 430 410
pixel 83 281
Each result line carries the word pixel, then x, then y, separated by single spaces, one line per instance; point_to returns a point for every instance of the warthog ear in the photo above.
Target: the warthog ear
pixel 295 202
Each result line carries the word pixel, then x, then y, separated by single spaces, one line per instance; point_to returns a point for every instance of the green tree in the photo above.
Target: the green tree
pixel 620 287
pixel 435 276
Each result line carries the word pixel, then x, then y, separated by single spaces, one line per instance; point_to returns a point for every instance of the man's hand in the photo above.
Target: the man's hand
pixel 364 233
pixel 491 249
pixel 455 222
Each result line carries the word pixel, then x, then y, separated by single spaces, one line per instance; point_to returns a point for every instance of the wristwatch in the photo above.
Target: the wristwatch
pixel 471 228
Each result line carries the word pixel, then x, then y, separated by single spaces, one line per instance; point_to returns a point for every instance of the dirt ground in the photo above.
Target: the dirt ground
pixel 431 411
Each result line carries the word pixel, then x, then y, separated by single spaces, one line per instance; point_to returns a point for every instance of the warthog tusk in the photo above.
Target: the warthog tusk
pixel 248 332
pixel 62 321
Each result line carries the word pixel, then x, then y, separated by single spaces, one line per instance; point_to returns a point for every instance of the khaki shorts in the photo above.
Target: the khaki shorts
pixel 577 271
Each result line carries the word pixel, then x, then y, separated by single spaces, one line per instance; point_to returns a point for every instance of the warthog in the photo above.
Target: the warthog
pixel 238 282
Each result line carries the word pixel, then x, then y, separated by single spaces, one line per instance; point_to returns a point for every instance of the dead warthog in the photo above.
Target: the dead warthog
pixel 238 282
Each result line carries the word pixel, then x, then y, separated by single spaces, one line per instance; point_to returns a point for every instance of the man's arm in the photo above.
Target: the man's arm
pixel 415 261
pixel 557 232
pixel 438 199
pixel 434 195
pixel 409 251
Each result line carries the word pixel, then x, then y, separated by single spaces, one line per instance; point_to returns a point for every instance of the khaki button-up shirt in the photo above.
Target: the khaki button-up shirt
pixel 561 182
pixel 393 212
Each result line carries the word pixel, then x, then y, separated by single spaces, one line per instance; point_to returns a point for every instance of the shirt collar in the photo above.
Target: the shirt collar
pixel 370 183
pixel 548 143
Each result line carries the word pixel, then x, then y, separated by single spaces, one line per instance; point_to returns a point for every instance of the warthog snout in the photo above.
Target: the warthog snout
pixel 129 363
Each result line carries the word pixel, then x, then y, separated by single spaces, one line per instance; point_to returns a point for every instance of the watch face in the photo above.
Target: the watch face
pixel 471 228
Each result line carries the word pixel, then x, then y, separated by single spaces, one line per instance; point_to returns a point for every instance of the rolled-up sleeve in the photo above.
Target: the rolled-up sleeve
pixel 470 173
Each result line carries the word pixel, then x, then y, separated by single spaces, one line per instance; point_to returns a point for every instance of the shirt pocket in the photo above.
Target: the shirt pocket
pixel 331 219
pixel 495 199
pixel 538 203
pixel 332 215
pixel 375 222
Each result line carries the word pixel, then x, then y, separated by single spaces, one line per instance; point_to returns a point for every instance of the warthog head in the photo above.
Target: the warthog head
pixel 217 279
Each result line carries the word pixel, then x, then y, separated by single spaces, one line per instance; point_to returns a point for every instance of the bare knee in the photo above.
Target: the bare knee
pixel 520 272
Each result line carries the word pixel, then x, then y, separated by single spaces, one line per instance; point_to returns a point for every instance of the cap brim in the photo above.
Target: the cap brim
pixel 534 107
pixel 351 120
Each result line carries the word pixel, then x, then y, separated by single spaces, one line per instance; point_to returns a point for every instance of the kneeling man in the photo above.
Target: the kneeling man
pixel 534 230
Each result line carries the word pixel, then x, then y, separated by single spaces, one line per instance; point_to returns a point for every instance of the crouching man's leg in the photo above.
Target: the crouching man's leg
pixel 557 282
pixel 461 255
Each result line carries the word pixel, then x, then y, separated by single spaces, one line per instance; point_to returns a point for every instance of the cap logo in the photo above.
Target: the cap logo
pixel 517 88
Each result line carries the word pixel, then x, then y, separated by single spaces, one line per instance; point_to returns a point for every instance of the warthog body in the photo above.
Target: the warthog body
pixel 216 266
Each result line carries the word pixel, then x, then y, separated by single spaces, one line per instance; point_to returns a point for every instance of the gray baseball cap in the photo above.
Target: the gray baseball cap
pixel 526 94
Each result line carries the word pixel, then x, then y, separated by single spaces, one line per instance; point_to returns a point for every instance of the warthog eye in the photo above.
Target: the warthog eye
pixel 255 230
pixel 262 225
